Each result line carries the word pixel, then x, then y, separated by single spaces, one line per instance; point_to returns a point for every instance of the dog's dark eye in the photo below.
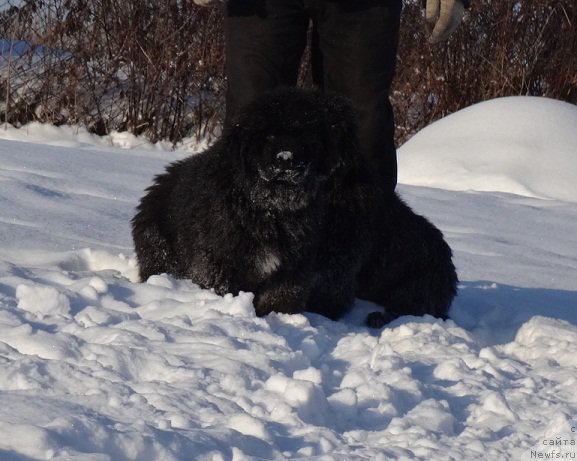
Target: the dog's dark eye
pixel 270 137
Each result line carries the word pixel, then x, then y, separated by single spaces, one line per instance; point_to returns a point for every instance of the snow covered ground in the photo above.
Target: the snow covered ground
pixel 97 367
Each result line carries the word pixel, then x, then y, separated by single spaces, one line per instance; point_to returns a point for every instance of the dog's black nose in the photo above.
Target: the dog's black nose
pixel 285 155
pixel 286 160
pixel 289 160
pixel 287 167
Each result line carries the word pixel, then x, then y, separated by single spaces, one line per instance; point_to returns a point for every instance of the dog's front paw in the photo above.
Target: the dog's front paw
pixel 277 301
pixel 379 319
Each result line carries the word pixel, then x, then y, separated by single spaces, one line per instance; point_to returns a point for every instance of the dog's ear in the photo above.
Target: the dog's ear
pixel 243 144
pixel 234 145
pixel 341 132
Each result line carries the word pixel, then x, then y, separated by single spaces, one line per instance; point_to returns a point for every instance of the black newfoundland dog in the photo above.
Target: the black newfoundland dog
pixel 283 206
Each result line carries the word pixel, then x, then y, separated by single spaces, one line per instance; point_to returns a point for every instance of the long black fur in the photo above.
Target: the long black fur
pixel 409 269
pixel 250 213
pixel 284 206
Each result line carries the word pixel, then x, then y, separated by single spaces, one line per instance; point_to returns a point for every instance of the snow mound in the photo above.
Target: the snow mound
pixel 95 366
pixel 521 145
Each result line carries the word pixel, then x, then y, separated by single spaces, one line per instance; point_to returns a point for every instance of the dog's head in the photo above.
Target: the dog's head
pixel 289 144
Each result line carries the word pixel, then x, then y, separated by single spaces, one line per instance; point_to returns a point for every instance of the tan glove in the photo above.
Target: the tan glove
pixel 445 15
pixel 208 2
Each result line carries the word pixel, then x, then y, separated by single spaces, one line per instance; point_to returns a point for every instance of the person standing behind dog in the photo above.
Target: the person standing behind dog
pixel 353 53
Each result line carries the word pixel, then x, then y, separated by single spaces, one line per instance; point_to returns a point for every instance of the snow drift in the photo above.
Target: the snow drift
pixel 97 367
pixel 521 145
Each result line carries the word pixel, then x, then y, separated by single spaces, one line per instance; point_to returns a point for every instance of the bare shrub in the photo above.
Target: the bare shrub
pixel 156 67
pixel 504 48
pixel 149 67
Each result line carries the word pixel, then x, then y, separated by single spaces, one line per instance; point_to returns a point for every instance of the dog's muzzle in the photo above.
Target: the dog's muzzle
pixel 291 176
pixel 285 169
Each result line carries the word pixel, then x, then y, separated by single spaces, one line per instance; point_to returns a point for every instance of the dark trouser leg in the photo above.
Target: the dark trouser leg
pixel 358 46
pixel 265 41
